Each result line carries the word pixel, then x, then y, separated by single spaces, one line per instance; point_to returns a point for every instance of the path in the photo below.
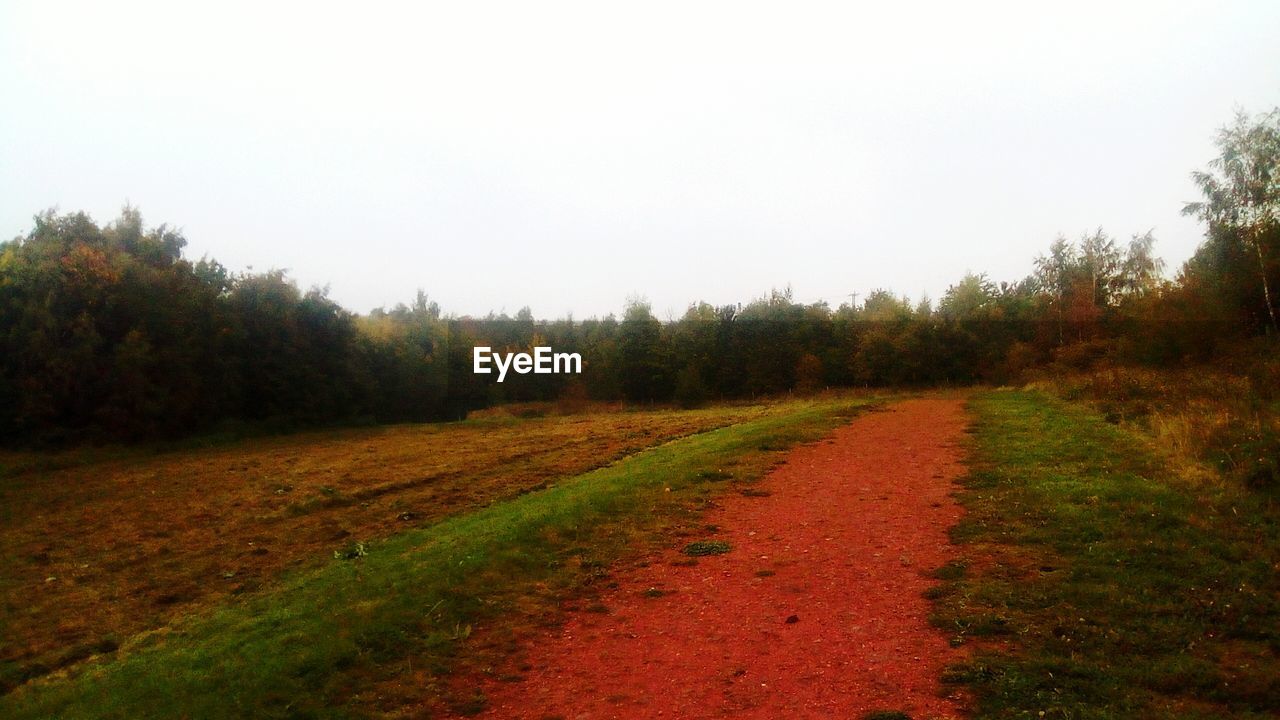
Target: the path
pixel 816 612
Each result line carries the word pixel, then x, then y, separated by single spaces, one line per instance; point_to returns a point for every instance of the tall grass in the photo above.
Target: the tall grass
pixel 1227 417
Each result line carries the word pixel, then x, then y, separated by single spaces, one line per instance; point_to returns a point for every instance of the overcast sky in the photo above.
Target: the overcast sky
pixel 569 156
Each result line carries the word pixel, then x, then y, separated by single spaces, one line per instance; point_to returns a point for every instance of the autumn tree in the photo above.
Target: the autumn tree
pixel 1241 207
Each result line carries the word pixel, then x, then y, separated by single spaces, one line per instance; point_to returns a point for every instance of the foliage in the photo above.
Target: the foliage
pixel 1242 210
pixel 110 333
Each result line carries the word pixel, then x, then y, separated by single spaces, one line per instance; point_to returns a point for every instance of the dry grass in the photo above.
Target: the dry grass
pixel 1212 422
pixel 101 550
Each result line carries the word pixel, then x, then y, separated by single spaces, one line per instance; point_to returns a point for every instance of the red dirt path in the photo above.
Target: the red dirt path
pixel 850 530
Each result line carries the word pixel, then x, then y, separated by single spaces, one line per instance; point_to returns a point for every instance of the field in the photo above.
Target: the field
pixel 118 547
pixel 1097 570
pixel 592 362
pixel 323 535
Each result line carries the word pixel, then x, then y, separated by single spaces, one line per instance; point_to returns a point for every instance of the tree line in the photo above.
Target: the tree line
pixel 110 333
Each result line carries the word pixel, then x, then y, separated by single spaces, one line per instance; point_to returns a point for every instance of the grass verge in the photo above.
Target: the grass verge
pixel 1096 585
pixel 376 632
pixel 125 540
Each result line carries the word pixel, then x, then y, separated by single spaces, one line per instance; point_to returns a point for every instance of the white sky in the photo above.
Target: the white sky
pixel 567 156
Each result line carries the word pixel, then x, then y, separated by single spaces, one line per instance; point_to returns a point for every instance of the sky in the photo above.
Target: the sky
pixel 570 156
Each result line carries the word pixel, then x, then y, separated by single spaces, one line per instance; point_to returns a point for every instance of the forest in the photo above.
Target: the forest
pixel 109 333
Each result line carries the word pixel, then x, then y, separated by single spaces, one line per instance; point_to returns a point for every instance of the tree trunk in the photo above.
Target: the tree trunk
pixel 1266 286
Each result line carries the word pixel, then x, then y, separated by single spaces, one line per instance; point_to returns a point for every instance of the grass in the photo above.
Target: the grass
pixel 105 543
pixel 1097 583
pixel 706 547
pixel 1219 417
pixel 379 633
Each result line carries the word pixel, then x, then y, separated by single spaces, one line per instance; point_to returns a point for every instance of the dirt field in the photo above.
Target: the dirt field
pixel 815 611
pixel 98 552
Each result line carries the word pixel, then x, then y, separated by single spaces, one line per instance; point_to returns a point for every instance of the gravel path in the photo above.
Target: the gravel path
pixel 815 612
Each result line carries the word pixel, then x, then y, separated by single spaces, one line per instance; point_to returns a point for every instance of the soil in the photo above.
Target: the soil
pixel 816 610
pixel 100 551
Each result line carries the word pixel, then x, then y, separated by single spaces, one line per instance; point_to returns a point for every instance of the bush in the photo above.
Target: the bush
pixel 691 391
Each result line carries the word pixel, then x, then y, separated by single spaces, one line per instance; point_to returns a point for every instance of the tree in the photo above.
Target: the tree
pixel 883 306
pixel 1053 274
pixel 969 298
pixel 1100 262
pixel 1242 195
pixel 1141 270
pixel 644 372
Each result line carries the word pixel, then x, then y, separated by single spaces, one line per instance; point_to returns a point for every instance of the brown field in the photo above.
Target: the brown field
pixel 101 550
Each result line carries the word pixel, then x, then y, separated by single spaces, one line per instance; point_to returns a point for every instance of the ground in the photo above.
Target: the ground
pixel 808 558
pixel 816 610
pixel 98 551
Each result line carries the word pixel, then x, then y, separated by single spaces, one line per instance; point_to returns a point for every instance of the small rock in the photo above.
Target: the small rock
pixel 793 619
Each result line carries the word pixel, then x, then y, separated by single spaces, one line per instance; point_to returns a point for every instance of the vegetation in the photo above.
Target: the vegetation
pixel 369 634
pixel 1099 582
pixel 707 547
pixel 121 543
pixel 1120 556
pixel 1242 210
pixel 110 333
pixel 1211 420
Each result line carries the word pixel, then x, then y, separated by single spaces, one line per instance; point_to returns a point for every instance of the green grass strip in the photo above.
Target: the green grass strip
pixel 1095 585
pixel 312 647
